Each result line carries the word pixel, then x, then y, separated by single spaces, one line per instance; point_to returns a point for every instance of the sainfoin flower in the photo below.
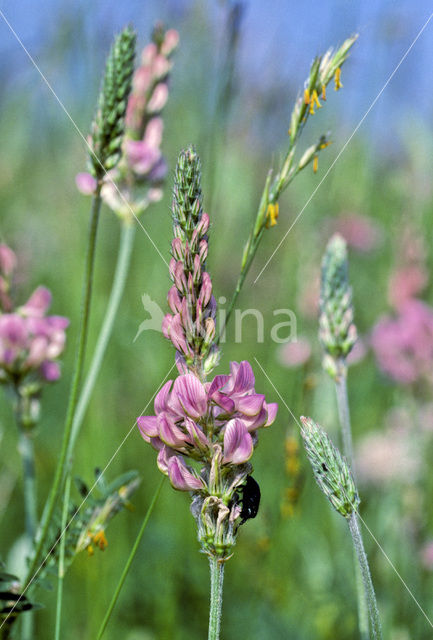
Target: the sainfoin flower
pixel 30 341
pixel 204 431
pixel 195 420
pixel 136 180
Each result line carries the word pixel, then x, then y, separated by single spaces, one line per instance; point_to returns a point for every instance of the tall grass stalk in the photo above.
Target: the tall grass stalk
pixel 129 561
pixel 346 431
pixel 75 386
pixel 61 567
pixel 126 243
pixel 375 627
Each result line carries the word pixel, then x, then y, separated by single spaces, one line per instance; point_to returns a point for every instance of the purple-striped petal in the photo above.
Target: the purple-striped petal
pixel 148 427
pixel 181 477
pixel 238 444
pixel 169 432
pixel 163 459
pixel 161 398
pixel 272 409
pixel 196 434
pixel 250 405
pixel 189 396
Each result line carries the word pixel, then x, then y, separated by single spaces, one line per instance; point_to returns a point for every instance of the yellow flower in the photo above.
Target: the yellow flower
pixel 100 540
pixel 272 214
pixel 323 91
pixel 314 102
pixel 337 79
pixel 315 163
pixel 306 96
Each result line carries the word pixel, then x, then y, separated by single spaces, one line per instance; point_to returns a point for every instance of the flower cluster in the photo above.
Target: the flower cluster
pixel 191 328
pixel 204 432
pixel 30 341
pixel 142 167
pixel 195 420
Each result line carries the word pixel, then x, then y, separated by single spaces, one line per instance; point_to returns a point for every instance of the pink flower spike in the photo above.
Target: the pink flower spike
pixel 181 477
pixel 8 260
pixel 147 426
pixel 238 444
pixel 38 303
pixel 86 183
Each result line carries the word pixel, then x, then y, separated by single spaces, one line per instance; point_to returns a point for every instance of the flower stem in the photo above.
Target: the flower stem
pixel 75 385
pixel 26 449
pixel 216 597
pixel 120 275
pixel 376 631
pixel 129 561
pixel 344 415
pixel 61 567
pixel 346 430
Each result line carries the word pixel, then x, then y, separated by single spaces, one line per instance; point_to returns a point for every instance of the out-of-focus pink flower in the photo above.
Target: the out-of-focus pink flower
pixel 86 183
pixel 389 456
pixel 404 345
pixel 360 232
pixel 187 411
pixel 426 554
pixel 8 260
pixel 308 301
pixel 406 283
pixel 296 353
pixel 31 341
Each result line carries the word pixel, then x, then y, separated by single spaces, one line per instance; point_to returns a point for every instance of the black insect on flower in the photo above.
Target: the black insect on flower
pixel 249 498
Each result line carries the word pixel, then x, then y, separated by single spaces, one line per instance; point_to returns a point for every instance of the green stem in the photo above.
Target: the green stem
pixel 344 415
pixel 376 631
pixel 129 561
pixel 120 275
pixel 61 568
pixel 26 449
pixel 75 385
pixel 346 430
pixel 216 597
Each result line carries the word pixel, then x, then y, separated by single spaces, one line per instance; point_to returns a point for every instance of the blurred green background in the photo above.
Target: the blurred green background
pixel 292 574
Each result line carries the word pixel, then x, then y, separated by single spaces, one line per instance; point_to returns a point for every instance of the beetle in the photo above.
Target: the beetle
pixel 249 498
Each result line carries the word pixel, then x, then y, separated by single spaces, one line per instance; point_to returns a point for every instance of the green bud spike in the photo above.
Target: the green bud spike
pixel 109 123
pixel 330 469
pixel 187 196
pixel 337 331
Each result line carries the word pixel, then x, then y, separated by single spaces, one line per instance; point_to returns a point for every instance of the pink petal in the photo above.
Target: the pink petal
pixel 161 398
pixel 189 396
pixel 169 432
pixel 8 260
pixel 50 371
pixel 163 459
pixel 272 409
pixel 238 444
pixel 196 434
pixel 180 476
pixel 38 302
pixel 250 405
pixel 86 183
pixel 148 427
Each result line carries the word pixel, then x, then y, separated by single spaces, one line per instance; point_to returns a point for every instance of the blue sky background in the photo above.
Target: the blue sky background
pixel 278 40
